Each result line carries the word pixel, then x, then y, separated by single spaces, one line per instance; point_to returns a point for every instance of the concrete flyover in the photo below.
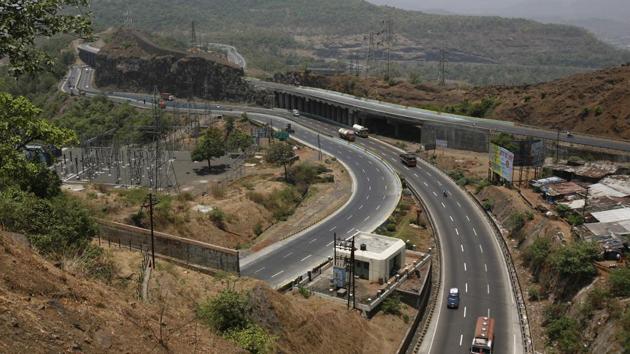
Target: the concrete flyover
pixel 462 133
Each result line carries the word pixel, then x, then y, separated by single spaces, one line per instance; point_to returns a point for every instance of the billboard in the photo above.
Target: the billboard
pixel 441 143
pixel 538 153
pixel 529 153
pixel 501 162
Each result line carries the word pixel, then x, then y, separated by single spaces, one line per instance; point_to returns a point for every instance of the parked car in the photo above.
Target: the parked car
pixel 452 301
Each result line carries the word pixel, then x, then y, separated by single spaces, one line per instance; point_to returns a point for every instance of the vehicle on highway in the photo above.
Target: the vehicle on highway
pixel 289 129
pixel 483 342
pixel 452 301
pixel 167 96
pixel 409 159
pixel 445 193
pixel 569 134
pixel 360 130
pixel 346 134
pixel 296 113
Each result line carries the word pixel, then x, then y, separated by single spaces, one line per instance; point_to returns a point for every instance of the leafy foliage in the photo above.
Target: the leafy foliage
pixel 252 338
pixel 23 21
pixel 227 311
pixel 573 266
pixel 619 281
pixel 504 140
pixel 279 152
pixel 238 140
pixel 210 146
pixel 392 305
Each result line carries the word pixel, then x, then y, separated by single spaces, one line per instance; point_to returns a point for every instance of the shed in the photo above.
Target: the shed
pixel 377 257
pixel 613 215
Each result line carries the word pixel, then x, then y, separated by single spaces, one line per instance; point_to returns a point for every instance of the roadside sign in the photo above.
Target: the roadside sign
pixel 501 162
pixel 441 143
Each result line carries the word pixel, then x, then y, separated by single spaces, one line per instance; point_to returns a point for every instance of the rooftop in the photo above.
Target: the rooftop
pixel 589 170
pixel 566 188
pixel 376 246
pixel 547 181
pixel 609 228
pixel 613 215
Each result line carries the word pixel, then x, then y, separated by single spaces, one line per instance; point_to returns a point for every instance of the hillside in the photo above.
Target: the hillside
pixel 276 34
pixel 590 103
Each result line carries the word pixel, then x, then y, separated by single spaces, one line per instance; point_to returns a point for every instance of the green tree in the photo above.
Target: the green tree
pixel 573 265
pixel 22 22
pixel 535 256
pixel 252 338
pixel 239 140
pixel 504 140
pixel 229 126
pixel 279 153
pixel 619 281
pixel 210 146
pixel 19 127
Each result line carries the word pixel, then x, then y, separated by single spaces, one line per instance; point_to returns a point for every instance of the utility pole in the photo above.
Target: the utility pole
pixel 193 36
pixel 354 285
pixel 442 67
pixel 389 38
pixel 557 144
pixel 319 148
pixel 150 204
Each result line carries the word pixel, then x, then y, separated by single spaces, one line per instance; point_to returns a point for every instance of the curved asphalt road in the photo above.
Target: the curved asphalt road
pixel 471 258
pixel 376 192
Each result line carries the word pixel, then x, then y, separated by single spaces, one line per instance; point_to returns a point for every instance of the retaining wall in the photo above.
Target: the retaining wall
pixel 188 251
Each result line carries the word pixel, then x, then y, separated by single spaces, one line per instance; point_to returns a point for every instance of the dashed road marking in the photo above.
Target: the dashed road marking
pixel 275 275
pixel 465 268
pixel 425 184
pixel 415 174
pixel 378 207
pixel 329 243
pixel 305 258
pixel 457 231
pixel 451 216
pixel 333 228
pixel 486 267
pixel 488 288
pixel 461 338
pixel 459 205
pixel 467 218
pixel 366 218
pixel 259 270
pixel 475 231
pixel 435 194
pixel 464 311
pixel 349 217
pixel 313 240
pixel 360 206
pixel 287 255
pixel 443 205
pixel 462 247
pixel 481 248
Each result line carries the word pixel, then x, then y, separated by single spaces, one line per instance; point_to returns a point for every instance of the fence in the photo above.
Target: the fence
pixel 189 252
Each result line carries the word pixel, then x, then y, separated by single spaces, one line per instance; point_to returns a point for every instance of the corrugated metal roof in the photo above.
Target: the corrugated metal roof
pixel 607 228
pixel 565 188
pixel 614 215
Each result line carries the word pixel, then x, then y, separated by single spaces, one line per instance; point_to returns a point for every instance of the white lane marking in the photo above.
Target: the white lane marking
pixel 333 228
pixel 370 187
pixel 259 270
pixel 435 194
pixel 349 217
pixel 383 178
pixel 370 162
pixel 428 174
pixel 475 231
pixel 464 311
pixel 361 207
pixel 443 205
pixel 415 174
pixel 329 243
pixel 488 288
pixel 406 167
pixel 457 231
pixel 367 197
pixel 467 218
pixel 451 216
pixel 481 248
pixel 466 288
pixel 488 312
pixel 459 205
pixel 461 338
pixel 425 184
pixel 349 231
pixel 378 207
pixel 363 170
pixel 465 268
pixel 385 187
pixel 384 197
pixel 313 240
pixel 366 218
pixel 287 255
pixel 305 258
pixel 275 275
pixel 462 245
pixel 439 183
pixel 368 179
pixel 486 267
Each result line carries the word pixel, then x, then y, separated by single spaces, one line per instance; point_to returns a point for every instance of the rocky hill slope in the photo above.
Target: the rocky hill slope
pixel 130 61
pixel 289 32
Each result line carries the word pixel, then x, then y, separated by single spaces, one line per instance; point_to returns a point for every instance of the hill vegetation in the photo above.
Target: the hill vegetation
pixel 276 34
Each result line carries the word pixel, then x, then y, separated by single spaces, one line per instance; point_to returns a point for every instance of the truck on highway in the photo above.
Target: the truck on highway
pixel 346 134
pixel 409 159
pixel 167 96
pixel 360 130
pixel 483 341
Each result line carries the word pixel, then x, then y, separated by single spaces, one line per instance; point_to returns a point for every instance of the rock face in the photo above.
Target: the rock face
pixel 132 62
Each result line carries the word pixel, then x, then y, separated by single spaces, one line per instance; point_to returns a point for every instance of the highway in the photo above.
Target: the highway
pixel 410 114
pixel 471 259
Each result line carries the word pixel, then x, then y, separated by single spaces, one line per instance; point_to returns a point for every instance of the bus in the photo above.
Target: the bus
pixel 483 341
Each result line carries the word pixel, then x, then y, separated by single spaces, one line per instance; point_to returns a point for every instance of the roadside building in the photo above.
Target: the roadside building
pixel 539 183
pixel 614 215
pixel 563 191
pixel 589 172
pixel 377 257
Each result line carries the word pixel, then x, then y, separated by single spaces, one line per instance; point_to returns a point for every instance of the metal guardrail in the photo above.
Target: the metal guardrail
pixel 516 285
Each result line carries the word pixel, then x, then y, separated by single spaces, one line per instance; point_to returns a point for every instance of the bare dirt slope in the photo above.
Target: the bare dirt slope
pixel 46 310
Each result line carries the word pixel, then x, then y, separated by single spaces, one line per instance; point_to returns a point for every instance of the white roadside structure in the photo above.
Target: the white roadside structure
pixel 377 257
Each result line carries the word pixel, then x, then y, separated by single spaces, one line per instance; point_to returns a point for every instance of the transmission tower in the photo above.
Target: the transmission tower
pixel 370 52
pixel 442 73
pixel 127 20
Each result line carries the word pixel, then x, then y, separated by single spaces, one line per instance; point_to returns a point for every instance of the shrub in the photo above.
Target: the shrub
pixel 575 219
pixel 258 229
pixel 619 282
pixel 305 292
pixel 535 256
pixel 252 338
pixel 565 332
pixel 227 311
pixel 516 222
pixel 573 266
pixel 488 204
pixel 392 305
pixel 598 111
pixel 535 293
pixel 217 216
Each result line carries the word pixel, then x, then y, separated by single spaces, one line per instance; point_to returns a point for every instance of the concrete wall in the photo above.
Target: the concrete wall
pixel 185 250
pixel 460 138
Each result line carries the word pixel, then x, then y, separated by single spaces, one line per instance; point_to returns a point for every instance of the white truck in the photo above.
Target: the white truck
pixel 346 134
pixel 360 130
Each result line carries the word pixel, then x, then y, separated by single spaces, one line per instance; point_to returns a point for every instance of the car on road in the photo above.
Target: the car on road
pixel 452 301
pixel 569 134
pixel 409 159
pixel 296 113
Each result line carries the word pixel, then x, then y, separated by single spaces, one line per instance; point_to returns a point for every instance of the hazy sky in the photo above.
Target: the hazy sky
pixel 605 9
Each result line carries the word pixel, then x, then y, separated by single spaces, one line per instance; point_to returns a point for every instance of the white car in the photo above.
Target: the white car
pixel 296 113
